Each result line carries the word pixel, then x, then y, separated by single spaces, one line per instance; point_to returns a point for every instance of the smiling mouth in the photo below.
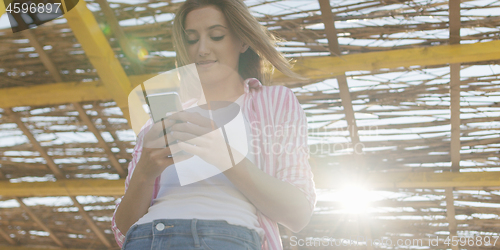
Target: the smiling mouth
pixel 206 64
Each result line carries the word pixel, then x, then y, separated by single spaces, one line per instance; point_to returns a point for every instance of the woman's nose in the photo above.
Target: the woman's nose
pixel 203 48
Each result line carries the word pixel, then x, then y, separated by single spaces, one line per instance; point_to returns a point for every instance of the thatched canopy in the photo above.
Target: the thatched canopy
pixel 403 99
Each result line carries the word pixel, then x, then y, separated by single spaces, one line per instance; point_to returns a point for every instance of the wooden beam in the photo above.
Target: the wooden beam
pixel 3 233
pixel 455 144
pixel 413 180
pixel 329 67
pixel 121 146
pixel 454 20
pixel 36 145
pixel 2 8
pixel 101 55
pixel 450 215
pixel 64 187
pixel 91 222
pixel 102 187
pixel 346 100
pixel 454 17
pixel 49 65
pixel 313 67
pixel 61 93
pixel 333 45
pixel 39 222
pixel 330 30
pixel 345 96
pixel 90 125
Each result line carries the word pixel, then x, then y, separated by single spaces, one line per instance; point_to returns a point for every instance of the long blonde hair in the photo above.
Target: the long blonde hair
pixel 258 61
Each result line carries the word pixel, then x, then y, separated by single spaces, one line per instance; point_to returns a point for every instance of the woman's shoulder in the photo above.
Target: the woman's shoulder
pixel 258 88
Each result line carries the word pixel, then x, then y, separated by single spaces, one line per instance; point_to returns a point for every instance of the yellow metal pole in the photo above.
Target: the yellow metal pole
pixel 61 93
pixel 454 17
pixel 2 8
pixel 63 187
pixel 100 187
pixel 329 67
pixel 101 55
pixel 313 67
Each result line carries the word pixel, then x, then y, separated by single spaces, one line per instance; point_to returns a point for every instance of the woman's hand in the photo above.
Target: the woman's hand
pixel 156 153
pixel 200 136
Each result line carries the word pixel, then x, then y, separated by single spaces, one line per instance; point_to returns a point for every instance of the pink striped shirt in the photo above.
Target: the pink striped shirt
pixel 271 110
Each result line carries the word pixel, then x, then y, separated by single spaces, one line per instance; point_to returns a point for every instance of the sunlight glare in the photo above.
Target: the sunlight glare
pixel 354 198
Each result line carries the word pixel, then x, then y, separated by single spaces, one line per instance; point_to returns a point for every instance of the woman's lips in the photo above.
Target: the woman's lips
pixel 206 64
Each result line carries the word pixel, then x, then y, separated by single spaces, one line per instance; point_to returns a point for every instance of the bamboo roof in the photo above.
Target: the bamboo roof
pixel 403 98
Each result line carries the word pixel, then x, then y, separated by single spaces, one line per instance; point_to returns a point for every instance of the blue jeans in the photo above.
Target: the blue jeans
pixel 185 234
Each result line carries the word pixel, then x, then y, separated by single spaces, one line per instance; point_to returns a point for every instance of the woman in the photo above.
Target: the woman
pixel 239 208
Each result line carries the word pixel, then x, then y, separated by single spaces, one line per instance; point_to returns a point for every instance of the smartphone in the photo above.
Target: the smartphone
pixel 161 103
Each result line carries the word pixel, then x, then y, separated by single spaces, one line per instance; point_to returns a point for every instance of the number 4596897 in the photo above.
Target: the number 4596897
pixel 471 240
pixel 31 8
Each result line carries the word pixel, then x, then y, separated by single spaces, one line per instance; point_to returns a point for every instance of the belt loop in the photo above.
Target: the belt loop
pixel 195 233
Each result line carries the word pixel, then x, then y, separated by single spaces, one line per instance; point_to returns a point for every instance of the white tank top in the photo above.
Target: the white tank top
pixel 215 198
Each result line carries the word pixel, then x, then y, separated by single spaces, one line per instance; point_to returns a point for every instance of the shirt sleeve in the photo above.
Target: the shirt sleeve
pixel 136 154
pixel 293 157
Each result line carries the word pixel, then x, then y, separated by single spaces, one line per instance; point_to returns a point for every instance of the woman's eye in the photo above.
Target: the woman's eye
pixel 218 38
pixel 192 41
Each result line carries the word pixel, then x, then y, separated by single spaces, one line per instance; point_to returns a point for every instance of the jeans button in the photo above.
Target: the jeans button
pixel 160 226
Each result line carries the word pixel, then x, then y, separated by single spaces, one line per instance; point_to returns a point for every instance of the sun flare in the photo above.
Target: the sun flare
pixel 353 198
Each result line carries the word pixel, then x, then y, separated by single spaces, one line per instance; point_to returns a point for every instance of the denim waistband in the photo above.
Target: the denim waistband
pixel 194 227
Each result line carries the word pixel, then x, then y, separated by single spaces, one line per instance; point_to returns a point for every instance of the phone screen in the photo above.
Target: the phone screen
pixel 161 103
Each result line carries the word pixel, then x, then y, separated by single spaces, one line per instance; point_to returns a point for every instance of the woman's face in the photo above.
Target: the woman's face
pixel 211 44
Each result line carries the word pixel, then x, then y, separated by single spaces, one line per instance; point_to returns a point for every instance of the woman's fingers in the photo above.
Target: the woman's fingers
pixel 189 148
pixel 159 129
pixel 190 128
pixel 190 138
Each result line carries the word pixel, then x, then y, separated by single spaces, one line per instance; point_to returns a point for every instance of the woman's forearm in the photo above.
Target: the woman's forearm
pixel 278 200
pixel 135 202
